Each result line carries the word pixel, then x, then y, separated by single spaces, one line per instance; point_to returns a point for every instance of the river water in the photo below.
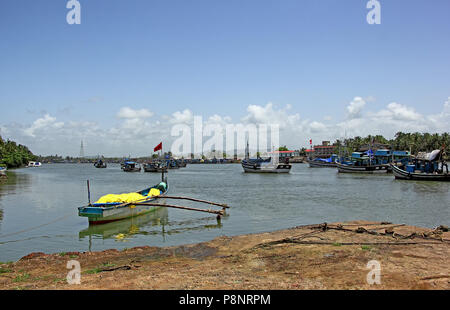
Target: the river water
pixel 38 206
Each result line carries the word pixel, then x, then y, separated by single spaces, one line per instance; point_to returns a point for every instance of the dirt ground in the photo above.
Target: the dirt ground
pixel 325 256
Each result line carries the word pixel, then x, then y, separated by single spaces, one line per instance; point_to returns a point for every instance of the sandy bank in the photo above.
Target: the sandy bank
pixel 332 256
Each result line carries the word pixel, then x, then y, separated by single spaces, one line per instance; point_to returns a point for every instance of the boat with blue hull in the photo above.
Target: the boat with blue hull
pixel 424 167
pixel 362 163
pixel 323 162
pixel 100 213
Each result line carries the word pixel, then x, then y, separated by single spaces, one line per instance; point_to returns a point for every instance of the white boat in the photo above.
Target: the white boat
pixel 34 164
pixel 3 171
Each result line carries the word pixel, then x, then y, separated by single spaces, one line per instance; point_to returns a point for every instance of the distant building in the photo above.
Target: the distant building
pixel 325 150
pixel 287 154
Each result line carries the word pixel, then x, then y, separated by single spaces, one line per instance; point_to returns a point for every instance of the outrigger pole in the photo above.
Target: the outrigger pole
pixel 218 212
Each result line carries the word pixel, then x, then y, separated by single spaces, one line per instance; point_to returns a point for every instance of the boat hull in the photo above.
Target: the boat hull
pixel 317 164
pixel 280 168
pixel 111 212
pixel 404 175
pixel 342 168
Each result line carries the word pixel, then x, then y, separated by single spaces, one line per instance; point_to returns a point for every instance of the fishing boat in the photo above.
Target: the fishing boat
pixel 172 164
pixel 105 212
pixel 424 167
pixel 264 165
pixel 155 167
pixel 131 166
pixel 99 164
pixel 362 163
pixel 323 162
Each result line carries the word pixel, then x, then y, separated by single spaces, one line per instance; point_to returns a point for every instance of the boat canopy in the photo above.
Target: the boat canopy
pixel 428 156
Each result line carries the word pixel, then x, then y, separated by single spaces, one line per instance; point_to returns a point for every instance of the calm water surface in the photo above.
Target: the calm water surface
pixel 38 206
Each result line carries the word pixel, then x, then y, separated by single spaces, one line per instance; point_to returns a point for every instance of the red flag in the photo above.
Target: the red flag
pixel 158 147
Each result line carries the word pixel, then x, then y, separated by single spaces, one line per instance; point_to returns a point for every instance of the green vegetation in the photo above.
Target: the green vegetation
pixel 416 142
pixel 366 247
pixel 13 155
pixel 22 277
pixel 5 270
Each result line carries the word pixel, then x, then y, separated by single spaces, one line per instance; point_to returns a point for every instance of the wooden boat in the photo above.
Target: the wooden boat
pixel 346 168
pixel 362 163
pixel 155 167
pixel 424 167
pixel 402 174
pixel 323 162
pixel 99 164
pixel 99 213
pixel 264 166
pixel 172 164
pixel 267 165
pixel 131 166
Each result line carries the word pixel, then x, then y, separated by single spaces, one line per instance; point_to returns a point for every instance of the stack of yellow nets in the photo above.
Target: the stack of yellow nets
pixel 127 197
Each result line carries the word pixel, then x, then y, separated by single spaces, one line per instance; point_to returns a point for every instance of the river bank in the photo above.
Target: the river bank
pixel 325 256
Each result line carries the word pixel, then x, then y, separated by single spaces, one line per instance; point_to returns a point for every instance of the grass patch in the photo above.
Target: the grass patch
pixel 337 244
pixel 93 271
pixel 73 256
pixel 62 254
pixel 366 247
pixel 5 270
pixel 108 265
pixel 22 277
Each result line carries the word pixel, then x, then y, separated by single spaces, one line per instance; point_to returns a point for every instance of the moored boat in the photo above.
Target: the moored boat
pixel 362 163
pixel 266 165
pixel 155 167
pixel 346 168
pixel 112 208
pixel 131 166
pixel 424 167
pixel 34 164
pixel 3 171
pixel 323 162
pixel 100 164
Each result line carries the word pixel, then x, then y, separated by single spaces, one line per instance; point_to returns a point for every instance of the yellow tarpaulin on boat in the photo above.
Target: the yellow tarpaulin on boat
pixel 127 197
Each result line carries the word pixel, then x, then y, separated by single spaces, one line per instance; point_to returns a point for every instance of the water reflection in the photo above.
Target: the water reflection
pixel 144 224
pixel 127 227
pixel 12 184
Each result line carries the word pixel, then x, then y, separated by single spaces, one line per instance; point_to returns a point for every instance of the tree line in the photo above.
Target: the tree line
pixel 414 142
pixel 13 155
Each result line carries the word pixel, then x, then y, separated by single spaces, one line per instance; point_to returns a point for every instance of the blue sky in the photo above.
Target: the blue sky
pixel 218 57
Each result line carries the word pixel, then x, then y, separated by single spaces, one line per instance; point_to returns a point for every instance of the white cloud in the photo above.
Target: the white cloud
pixel 129 113
pixel 136 135
pixel 182 117
pixel 267 114
pixel 354 108
pixel 399 112
pixel 42 123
